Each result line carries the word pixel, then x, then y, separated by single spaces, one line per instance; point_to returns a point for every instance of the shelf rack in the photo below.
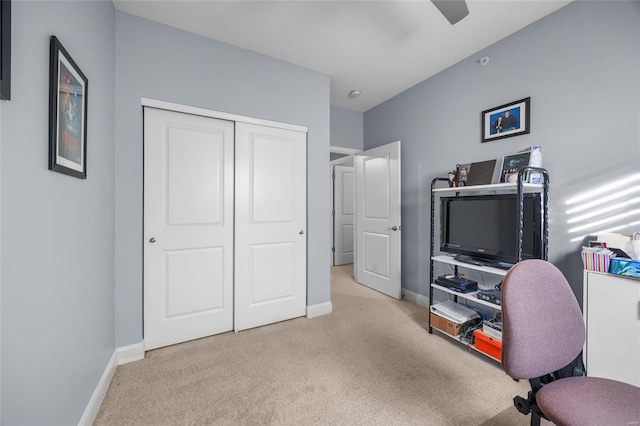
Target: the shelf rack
pixel 451 261
pixel 469 296
pixel 493 187
pixel 520 187
pixel 468 345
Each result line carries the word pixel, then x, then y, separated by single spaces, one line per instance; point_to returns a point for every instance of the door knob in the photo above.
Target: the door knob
pixel 393 228
pixel 152 240
pixel 301 232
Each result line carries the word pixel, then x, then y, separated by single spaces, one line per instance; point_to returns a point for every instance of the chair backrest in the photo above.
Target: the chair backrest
pixel 542 325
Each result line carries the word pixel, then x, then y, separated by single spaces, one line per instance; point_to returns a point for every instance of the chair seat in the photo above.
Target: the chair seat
pixel 588 401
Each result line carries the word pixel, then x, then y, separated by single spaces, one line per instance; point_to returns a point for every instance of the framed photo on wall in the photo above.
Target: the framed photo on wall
pixel 5 49
pixel 505 121
pixel 67 113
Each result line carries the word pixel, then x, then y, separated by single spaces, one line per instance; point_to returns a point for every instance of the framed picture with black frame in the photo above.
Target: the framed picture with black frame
pixel 462 174
pixel 5 49
pixel 511 165
pixel 505 121
pixel 67 113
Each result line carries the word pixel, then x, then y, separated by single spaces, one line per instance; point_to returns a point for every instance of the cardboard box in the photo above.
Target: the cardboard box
pixel 488 345
pixel 445 325
pixel 626 267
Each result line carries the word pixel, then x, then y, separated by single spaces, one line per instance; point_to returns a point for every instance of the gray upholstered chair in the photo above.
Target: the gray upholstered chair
pixel 542 338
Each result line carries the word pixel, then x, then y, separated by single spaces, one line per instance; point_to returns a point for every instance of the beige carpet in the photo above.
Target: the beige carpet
pixel 370 362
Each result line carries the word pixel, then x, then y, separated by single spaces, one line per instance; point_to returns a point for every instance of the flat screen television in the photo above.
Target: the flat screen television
pixel 485 227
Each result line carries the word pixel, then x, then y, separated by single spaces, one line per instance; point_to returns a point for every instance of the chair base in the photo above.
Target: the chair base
pixel 529 406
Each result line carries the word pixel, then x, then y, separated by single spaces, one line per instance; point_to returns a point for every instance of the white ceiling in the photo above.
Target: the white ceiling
pixel 378 47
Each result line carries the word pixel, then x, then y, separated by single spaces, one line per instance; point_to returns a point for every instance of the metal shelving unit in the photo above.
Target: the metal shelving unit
pixel 520 188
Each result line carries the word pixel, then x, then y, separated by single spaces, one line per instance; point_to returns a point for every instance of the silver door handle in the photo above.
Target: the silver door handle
pixel 152 240
pixel 301 232
pixel 393 228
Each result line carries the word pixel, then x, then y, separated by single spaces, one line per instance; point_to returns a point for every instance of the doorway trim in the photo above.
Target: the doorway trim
pixel 340 150
pixel 170 106
pixel 347 152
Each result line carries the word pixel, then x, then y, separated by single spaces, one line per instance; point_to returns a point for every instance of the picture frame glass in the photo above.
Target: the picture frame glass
pixel 70 136
pixel 511 164
pixel 5 50
pixel 462 173
pixel 67 113
pixel 506 120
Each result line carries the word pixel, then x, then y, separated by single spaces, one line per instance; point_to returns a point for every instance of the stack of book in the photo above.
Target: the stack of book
pixel 597 258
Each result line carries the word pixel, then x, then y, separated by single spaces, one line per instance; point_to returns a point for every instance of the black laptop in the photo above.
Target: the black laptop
pixel 481 173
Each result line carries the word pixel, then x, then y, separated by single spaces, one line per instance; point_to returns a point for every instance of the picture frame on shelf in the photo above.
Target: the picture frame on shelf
pixel 462 173
pixel 505 121
pixel 511 163
pixel 67 113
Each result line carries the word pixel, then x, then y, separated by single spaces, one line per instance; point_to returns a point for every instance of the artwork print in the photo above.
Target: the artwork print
pixel 70 127
pixel 68 114
pixel 5 49
pixel 507 120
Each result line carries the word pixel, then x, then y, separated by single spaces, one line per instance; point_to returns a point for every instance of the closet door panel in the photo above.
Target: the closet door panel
pixel 188 227
pixel 270 245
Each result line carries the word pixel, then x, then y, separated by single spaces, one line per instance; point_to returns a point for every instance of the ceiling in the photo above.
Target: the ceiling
pixel 378 47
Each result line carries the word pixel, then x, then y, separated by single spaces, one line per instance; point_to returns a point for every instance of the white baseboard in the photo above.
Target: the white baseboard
pixel 126 354
pixel 120 356
pixel 93 406
pixel 417 298
pixel 319 309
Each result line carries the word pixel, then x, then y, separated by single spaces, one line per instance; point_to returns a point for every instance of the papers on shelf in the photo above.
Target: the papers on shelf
pixel 614 240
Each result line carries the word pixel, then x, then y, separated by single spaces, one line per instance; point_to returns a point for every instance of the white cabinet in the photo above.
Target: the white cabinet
pixel 612 316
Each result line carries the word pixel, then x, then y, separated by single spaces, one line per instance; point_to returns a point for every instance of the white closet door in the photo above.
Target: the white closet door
pixel 188 227
pixel 271 240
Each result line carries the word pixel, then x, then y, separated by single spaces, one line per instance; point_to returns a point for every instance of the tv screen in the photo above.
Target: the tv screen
pixel 486 227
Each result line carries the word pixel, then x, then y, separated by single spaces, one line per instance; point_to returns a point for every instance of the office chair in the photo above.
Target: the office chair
pixel 542 339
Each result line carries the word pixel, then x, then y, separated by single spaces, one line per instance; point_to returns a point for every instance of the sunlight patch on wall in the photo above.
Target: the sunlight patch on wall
pixel 604 199
pixel 611 207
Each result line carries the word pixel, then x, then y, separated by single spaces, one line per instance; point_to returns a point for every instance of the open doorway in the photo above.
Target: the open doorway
pixel 342 211
pixel 365 216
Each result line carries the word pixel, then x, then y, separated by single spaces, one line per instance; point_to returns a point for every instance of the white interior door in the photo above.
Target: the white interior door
pixel 271 240
pixel 188 227
pixel 378 219
pixel 332 213
pixel 344 214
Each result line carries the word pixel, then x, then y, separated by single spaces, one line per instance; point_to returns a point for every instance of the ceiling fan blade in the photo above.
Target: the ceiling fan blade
pixel 453 10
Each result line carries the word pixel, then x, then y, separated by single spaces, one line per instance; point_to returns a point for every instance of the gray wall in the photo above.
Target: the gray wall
pixel 160 62
pixel 581 68
pixel 346 128
pixel 57 231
